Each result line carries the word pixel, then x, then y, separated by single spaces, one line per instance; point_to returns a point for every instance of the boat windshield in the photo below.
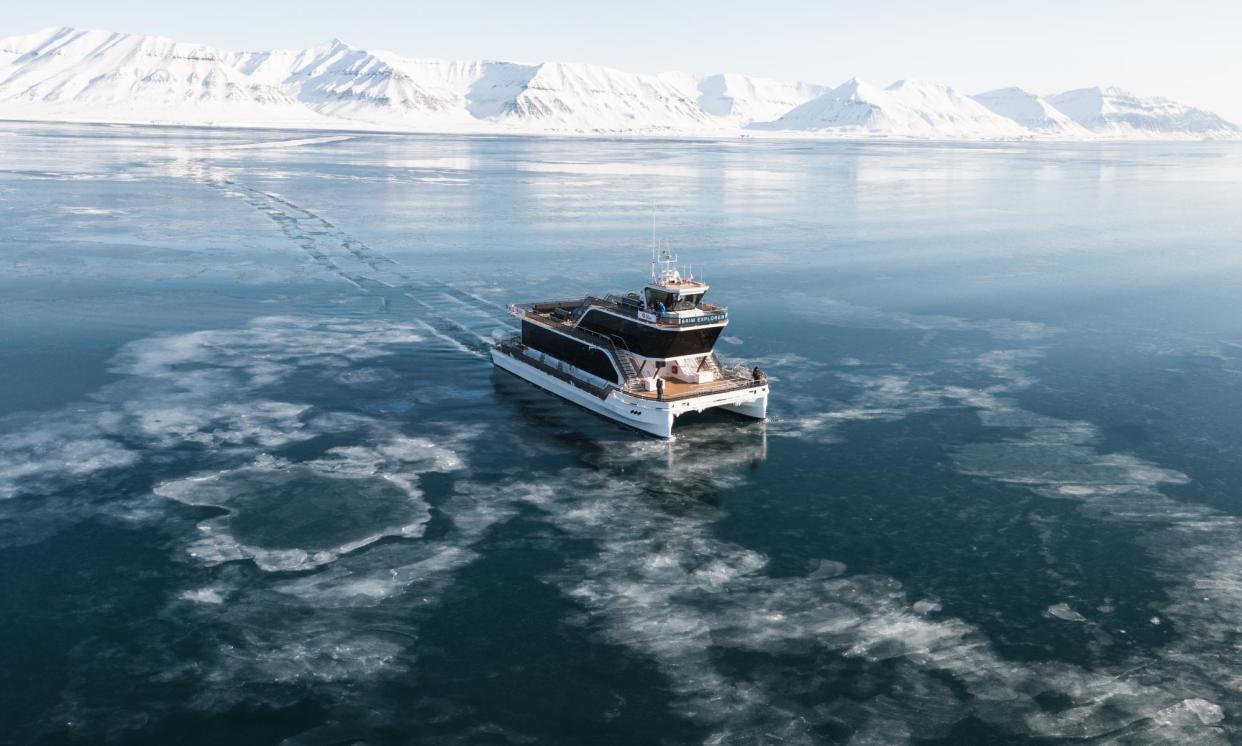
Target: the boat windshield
pixel 671 301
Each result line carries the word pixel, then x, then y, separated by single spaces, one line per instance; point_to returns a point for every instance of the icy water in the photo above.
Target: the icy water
pixel 259 483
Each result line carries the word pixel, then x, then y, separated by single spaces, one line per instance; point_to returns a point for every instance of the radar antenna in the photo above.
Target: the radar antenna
pixel 668 274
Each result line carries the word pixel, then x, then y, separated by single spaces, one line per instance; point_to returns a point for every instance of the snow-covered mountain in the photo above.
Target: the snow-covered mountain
pixel 73 74
pixel 102 75
pixel 907 108
pixel 1113 111
pixel 1033 112
pixel 742 99
pixel 339 81
pixel 592 98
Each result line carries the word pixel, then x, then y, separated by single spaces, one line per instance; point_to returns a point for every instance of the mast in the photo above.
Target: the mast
pixel 653 244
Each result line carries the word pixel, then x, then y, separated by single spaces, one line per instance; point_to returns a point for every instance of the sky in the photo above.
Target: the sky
pixel 1189 51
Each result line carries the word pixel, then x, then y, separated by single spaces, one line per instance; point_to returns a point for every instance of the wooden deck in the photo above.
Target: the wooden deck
pixel 679 390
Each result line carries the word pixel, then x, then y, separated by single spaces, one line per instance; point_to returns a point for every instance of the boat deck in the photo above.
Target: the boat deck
pixel 674 390
pixel 543 310
pixel 542 313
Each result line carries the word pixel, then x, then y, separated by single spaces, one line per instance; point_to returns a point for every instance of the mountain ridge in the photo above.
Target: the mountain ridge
pixel 92 75
pixel 1031 111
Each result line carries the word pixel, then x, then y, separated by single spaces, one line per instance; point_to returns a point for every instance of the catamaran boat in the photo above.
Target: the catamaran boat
pixel 640 359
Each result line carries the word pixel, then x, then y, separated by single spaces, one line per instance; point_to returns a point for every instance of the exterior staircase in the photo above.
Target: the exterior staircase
pixel 712 363
pixel 626 365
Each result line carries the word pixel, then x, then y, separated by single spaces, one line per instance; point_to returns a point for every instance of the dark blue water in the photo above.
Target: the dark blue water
pixel 259 483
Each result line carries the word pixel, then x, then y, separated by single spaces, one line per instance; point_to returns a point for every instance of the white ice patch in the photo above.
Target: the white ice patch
pixel 209 390
pixel 662 585
pixel 97 211
pixel 386 572
pixel 294 516
pixel 352 620
pixel 1208 713
pixel 200 388
pixel 1198 547
pixel 204 596
pixel 629 168
pixel 826 310
pixel 790 366
pixel 882 397
pixel 264 352
pixel 322 654
pixel 57 450
pixel 261 424
pixel 1065 613
pixel 376 581
pixel 265 144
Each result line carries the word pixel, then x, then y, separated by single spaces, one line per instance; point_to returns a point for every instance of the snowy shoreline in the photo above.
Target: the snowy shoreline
pixel 346 127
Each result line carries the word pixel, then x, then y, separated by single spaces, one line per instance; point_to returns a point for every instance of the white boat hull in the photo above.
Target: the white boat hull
pixel 653 417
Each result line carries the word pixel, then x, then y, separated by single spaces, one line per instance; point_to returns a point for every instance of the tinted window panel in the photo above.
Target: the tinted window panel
pixel 580 355
pixel 650 342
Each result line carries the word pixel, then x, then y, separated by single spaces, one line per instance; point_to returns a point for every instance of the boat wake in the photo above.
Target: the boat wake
pixel 334 251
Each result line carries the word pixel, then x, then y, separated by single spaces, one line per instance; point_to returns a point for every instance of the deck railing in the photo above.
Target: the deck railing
pixel 508 346
pixel 712 314
pixel 721 386
pixel 736 379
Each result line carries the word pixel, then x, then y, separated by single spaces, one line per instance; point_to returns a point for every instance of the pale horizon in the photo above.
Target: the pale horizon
pixel 1188 56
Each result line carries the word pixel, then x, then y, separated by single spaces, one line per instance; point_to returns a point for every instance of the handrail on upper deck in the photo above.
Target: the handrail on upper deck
pixel 713 314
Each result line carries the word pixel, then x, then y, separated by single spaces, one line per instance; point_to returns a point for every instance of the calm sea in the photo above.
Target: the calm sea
pixel 260 484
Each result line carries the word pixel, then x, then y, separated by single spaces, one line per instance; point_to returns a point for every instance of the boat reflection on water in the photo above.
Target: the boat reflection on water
pixel 709 452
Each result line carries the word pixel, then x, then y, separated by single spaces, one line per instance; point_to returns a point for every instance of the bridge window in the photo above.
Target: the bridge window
pixel 671 301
